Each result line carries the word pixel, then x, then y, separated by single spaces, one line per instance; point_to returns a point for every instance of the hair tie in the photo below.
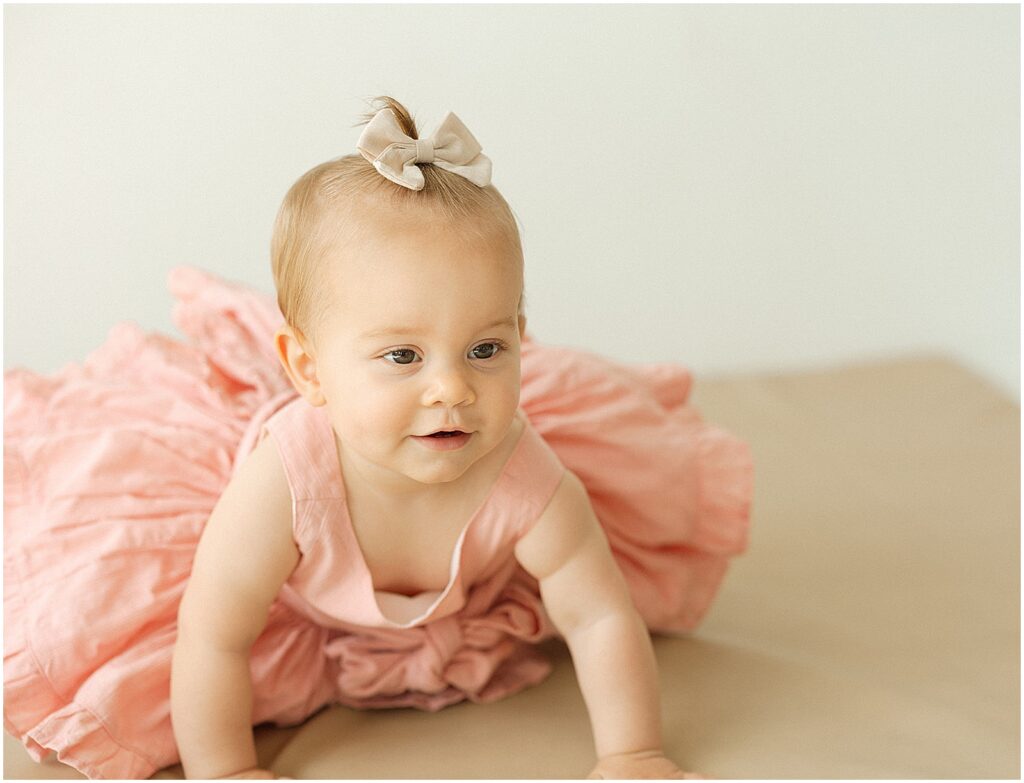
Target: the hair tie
pixel 395 155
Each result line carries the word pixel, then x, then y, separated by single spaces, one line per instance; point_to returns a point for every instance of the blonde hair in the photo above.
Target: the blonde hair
pixel 326 202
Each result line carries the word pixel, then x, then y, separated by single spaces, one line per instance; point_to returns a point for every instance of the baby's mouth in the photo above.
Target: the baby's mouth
pixel 445 440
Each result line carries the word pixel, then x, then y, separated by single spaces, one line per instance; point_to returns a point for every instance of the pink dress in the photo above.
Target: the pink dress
pixel 111 468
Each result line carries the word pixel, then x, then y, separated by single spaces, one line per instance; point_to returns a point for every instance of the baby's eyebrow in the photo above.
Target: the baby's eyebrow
pixel 510 321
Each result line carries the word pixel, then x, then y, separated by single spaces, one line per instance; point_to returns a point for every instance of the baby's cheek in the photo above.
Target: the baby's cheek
pixel 382 410
pixel 508 391
pixel 358 403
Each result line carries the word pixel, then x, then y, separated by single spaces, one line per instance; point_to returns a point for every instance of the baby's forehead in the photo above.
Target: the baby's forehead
pixel 358 309
pixel 414 305
pixel 399 269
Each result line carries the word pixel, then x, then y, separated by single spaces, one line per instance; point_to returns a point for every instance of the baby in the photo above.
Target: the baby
pixel 378 492
pixel 404 317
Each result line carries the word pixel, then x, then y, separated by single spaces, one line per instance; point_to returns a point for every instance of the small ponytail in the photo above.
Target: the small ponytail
pixel 405 119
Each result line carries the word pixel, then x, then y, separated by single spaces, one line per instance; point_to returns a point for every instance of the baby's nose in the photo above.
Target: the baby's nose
pixel 449 387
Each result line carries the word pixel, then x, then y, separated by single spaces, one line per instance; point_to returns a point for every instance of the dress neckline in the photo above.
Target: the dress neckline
pixel 419 599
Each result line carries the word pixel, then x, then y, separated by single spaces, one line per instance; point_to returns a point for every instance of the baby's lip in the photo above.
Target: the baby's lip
pixel 444 429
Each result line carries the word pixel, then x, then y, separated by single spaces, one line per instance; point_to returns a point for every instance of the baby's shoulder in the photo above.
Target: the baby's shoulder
pixel 254 511
pixel 566 521
pixel 246 551
pixel 262 476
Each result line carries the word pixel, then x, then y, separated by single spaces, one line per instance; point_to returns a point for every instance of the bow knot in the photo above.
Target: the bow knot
pixel 395 154
pixel 424 151
pixel 449 659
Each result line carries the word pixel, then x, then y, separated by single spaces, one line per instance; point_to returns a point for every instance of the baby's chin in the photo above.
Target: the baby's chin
pixel 443 466
pixel 437 476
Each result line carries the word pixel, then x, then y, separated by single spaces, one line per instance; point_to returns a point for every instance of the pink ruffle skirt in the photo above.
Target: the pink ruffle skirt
pixel 112 466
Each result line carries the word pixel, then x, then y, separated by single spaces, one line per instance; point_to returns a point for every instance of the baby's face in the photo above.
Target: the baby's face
pixel 421 334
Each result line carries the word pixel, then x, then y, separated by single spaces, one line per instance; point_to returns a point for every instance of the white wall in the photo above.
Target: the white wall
pixel 737 188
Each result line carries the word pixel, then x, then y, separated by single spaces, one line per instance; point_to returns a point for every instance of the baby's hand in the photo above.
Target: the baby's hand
pixel 643 764
pixel 253 773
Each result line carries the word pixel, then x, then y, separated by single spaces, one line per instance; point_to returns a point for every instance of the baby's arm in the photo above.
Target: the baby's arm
pixel 588 600
pixel 245 554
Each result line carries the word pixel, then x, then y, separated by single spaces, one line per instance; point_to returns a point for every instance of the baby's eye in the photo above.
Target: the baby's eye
pixel 486 350
pixel 402 355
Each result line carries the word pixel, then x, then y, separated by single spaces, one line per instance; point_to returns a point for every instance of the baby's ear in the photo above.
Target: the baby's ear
pixel 299 363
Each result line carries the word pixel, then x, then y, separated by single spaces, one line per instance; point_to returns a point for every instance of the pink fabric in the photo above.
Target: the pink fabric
pixel 438 647
pixel 112 466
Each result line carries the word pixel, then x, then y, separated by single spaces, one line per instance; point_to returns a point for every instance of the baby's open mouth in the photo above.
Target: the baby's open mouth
pixel 446 434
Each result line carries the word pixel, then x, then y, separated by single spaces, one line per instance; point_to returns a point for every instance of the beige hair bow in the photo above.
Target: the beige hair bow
pixel 395 155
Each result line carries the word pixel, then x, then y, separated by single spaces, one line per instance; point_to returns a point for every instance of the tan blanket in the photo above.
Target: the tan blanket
pixel 872 630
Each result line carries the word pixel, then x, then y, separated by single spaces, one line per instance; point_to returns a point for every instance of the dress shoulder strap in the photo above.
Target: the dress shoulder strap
pixel 532 476
pixel 305 443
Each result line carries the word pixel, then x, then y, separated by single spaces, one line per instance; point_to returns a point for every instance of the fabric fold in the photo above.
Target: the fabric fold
pixel 672 493
pixel 446 660
pixel 83 742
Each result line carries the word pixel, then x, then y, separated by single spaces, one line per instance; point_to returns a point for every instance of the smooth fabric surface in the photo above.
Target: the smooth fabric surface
pixel 871 630
pixel 112 467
